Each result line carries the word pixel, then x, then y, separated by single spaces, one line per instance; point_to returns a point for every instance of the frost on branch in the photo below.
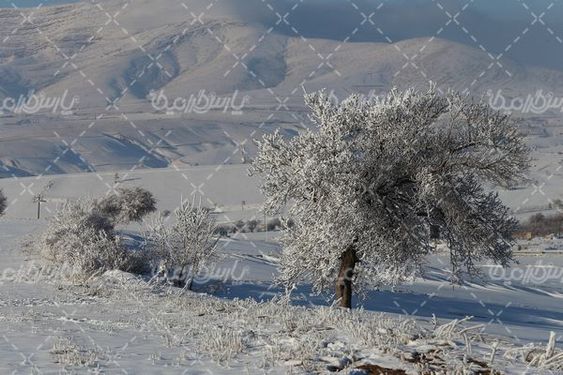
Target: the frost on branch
pixel 184 247
pixel 370 181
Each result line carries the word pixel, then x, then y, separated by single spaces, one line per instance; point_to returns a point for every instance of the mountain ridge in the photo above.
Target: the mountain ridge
pixel 111 58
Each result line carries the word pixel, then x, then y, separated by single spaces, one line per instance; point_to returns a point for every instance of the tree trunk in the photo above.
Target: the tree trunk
pixel 434 232
pixel 180 279
pixel 348 261
pixel 189 283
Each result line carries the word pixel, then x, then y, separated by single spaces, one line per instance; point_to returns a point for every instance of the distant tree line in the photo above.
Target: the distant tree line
pixel 543 225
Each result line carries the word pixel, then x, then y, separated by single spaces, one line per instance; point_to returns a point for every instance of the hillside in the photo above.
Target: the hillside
pixel 111 55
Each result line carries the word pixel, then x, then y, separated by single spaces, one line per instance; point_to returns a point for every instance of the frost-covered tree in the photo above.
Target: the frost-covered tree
pixel 185 246
pixel 3 202
pixel 127 205
pixel 367 185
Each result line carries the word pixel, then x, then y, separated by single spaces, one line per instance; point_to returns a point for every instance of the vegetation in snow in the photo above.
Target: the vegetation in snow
pixel 3 202
pixel 82 239
pixel 127 205
pixel 275 335
pixel 183 247
pixel 368 187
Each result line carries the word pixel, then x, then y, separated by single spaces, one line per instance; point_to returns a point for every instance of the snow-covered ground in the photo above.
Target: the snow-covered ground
pixel 122 325
pixel 227 188
pixel 522 303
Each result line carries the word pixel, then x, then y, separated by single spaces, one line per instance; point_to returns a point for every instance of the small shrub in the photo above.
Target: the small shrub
pixel 81 240
pixel 273 224
pixel 184 247
pixel 279 224
pixel 239 225
pixel 224 230
pixel 3 202
pixel 251 225
pixel 128 205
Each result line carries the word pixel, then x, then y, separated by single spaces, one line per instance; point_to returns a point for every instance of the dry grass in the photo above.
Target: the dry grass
pixel 70 354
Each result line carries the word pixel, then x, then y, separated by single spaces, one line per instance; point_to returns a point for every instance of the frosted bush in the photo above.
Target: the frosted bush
pixel 3 202
pixel 185 246
pixel 127 205
pixel 81 237
pixel 239 225
pixel 81 240
pixel 252 225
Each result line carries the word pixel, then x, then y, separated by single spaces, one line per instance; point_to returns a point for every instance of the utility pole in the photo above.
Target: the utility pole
pixel 39 199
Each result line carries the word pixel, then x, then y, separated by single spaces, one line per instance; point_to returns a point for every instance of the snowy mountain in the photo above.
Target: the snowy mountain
pixel 102 61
